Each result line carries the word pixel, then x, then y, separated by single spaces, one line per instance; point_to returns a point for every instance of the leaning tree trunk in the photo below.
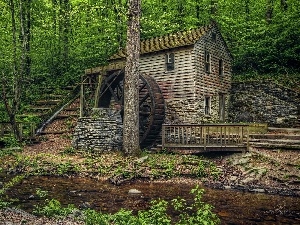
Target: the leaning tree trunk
pixel 131 83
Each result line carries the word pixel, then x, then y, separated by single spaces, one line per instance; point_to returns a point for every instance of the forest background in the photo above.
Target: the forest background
pixel 49 43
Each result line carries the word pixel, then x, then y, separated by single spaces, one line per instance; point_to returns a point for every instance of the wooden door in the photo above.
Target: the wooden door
pixel 221 107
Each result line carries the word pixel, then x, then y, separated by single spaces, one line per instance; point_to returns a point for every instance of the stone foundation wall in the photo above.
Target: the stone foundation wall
pixel 101 131
pixel 264 102
pixel 192 111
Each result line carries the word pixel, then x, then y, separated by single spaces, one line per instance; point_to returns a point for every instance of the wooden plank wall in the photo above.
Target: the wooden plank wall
pixel 178 85
pixel 211 84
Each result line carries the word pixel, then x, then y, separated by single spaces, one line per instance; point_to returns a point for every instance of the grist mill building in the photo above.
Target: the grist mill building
pixel 185 79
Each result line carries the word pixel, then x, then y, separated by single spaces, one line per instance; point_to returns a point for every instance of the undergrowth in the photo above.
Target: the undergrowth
pixel 198 212
pixel 291 80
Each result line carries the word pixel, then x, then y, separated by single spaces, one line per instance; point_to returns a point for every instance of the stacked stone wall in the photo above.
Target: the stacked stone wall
pixel 264 102
pixel 102 131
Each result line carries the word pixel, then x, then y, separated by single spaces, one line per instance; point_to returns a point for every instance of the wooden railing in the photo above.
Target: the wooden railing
pixel 27 130
pixel 205 137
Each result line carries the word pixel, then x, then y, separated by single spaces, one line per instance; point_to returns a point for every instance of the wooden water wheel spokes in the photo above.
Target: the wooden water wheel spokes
pixel 151 103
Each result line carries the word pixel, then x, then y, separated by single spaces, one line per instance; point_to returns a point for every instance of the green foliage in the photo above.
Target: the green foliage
pixel 70 36
pixel 69 151
pixel 198 212
pixel 157 214
pixel 41 193
pixel 4 202
pixel 53 208
pixel 9 151
pixel 9 142
pixel 291 80
pixel 65 168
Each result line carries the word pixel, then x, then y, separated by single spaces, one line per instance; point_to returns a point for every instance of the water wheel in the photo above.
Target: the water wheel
pixel 151 103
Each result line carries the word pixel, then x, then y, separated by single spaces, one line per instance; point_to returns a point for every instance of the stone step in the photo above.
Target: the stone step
pixel 72 109
pixel 275 145
pixel 298 123
pixel 55 96
pixel 61 116
pixel 35 108
pixel 54 132
pixel 156 148
pixel 32 140
pixel 275 136
pixel 24 115
pixel 47 102
pixel 283 130
pixel 275 141
pixel 69 88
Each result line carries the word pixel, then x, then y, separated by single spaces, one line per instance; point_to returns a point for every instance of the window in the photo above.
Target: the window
pixel 214 36
pixel 207 62
pixel 221 67
pixel 207 102
pixel 170 61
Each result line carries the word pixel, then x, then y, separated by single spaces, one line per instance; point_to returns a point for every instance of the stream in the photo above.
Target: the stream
pixel 232 206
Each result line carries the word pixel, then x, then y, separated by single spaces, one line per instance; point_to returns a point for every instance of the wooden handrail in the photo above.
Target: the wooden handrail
pixel 5 129
pixel 205 136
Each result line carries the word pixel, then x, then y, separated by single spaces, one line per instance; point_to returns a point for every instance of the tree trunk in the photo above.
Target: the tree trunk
pixel 25 25
pixel 213 8
pixel 284 5
pixel 247 10
pixel 269 11
pixel 64 28
pixel 131 83
pixel 15 103
pixel 11 110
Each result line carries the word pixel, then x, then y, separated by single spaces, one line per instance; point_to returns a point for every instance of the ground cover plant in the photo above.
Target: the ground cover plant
pixel 198 212
pixel 110 165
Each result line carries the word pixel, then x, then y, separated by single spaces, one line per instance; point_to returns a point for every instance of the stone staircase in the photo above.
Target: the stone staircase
pixel 58 111
pixel 65 121
pixel 297 125
pixel 277 138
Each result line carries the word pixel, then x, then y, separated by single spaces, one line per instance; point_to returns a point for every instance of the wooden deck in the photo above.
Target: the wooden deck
pixel 205 137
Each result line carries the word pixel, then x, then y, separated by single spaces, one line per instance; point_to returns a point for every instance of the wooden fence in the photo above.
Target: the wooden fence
pixel 27 130
pixel 205 137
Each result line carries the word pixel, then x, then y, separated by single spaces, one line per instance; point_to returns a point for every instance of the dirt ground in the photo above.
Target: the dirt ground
pixel 259 170
pixel 264 170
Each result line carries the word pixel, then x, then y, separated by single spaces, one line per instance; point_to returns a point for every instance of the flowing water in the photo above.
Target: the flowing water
pixel 232 207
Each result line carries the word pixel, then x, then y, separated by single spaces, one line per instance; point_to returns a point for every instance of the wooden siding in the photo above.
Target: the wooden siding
pixel 177 84
pixel 211 84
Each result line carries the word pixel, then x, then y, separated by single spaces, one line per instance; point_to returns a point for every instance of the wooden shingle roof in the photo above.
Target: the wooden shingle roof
pixel 179 39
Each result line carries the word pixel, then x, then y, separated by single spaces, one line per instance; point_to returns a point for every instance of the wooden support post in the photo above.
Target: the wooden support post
pixel 221 136
pixel 20 127
pixel 2 130
pixel 247 138
pixel 98 89
pixel 204 139
pixel 81 100
pixel 225 136
pixel 32 130
pixel 163 141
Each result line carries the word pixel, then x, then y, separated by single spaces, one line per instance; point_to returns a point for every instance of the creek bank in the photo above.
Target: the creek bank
pixel 100 195
pixel 275 172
